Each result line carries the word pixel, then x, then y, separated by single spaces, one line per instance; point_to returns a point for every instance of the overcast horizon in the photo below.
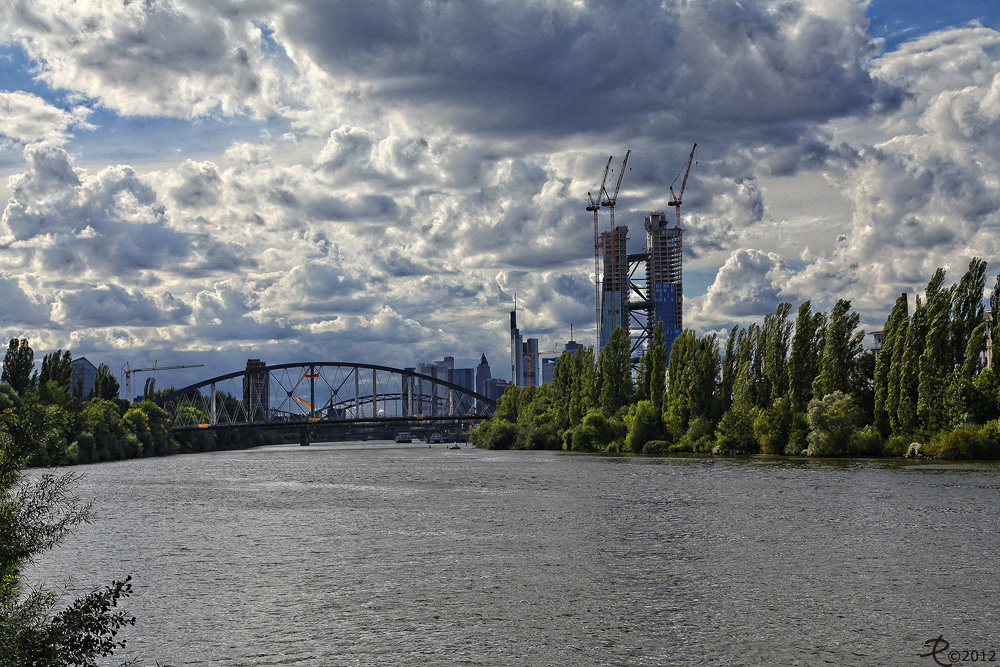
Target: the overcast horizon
pixel 202 182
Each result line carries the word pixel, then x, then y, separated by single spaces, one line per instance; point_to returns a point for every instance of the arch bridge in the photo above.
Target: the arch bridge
pixel 322 392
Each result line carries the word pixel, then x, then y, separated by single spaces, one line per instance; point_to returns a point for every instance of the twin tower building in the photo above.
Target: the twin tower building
pixel 637 291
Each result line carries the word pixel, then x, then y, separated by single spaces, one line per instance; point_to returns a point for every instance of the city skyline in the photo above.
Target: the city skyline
pixel 195 182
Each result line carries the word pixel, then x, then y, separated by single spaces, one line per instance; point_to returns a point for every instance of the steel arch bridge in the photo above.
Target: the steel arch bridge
pixel 322 392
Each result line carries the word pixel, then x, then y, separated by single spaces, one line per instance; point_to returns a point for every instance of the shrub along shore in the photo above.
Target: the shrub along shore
pixel 805 388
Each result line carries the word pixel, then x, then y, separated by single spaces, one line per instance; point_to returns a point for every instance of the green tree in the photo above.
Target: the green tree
pixel 776 335
pixel 692 378
pixel 735 432
pixel 729 363
pixel 106 385
pixel 56 367
pixel 804 358
pixel 643 423
pixel 892 336
pixel 967 310
pixel 833 422
pixel 18 364
pixel 614 373
pixel 583 396
pixel 909 369
pixel 936 358
pixel 35 515
pixel 652 371
pixel 841 348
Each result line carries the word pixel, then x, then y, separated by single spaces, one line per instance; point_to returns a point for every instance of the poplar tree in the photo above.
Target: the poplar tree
pixel 967 308
pixel 777 332
pixel 893 382
pixel 691 381
pixel 995 320
pixel 614 373
pixel 891 337
pixel 728 371
pixel 651 374
pixel 584 383
pixel 56 367
pixel 936 358
pixel 18 364
pixel 840 351
pixel 906 409
pixel 744 389
pixel 105 384
pixel 803 361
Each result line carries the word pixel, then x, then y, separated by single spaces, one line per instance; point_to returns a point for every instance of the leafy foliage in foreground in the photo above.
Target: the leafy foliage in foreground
pixel 35 514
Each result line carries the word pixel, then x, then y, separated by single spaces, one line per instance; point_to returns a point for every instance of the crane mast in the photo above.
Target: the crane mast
pixel 595 206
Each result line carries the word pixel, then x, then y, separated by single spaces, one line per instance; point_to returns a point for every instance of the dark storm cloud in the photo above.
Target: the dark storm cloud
pixel 110 305
pixel 557 68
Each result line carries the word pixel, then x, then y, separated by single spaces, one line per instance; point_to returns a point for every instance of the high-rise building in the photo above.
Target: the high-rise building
pixel 615 285
pixel 548 369
pixel 664 276
pixel 482 375
pixel 517 370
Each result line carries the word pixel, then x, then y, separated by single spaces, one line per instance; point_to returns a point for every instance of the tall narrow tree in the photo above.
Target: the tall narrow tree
pixel 890 338
pixel 18 364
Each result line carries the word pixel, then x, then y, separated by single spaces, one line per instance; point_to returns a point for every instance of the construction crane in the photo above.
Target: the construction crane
pixel 595 206
pixel 610 202
pixel 529 375
pixel 128 371
pixel 675 199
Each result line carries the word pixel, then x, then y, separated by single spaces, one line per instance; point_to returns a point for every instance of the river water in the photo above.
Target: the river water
pixel 384 554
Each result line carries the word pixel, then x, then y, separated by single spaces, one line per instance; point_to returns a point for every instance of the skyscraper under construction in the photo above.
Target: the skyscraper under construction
pixel 615 287
pixel 663 276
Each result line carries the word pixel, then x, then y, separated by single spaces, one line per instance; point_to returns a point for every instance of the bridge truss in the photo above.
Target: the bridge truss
pixel 322 392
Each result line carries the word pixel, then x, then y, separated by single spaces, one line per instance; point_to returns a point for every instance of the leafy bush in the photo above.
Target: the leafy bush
pixel 643 422
pixel 833 420
pixel 495 434
pixel 595 433
pixel 735 432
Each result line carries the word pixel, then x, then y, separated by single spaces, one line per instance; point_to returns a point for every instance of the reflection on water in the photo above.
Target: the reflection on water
pixel 354 554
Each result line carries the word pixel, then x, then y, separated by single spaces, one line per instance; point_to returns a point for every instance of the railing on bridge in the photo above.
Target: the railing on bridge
pixel 328 392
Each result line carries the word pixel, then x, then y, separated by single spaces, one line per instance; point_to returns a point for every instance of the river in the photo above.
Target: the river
pixel 385 554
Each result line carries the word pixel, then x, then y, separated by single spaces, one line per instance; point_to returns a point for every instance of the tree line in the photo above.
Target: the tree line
pixel 802 387
pixel 100 426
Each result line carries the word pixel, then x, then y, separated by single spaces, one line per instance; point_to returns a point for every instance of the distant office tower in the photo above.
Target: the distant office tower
pixel 517 370
pixel 255 393
pixel 663 276
pixel 495 388
pixel 615 286
pixel 548 369
pixel 482 375
pixel 424 397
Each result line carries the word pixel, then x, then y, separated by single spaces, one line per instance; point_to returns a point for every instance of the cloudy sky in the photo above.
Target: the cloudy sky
pixel 203 181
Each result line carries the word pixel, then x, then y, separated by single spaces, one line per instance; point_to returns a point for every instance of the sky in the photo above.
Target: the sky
pixel 207 181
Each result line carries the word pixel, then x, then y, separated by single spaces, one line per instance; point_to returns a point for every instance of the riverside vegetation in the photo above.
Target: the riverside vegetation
pixel 808 388
pixel 101 426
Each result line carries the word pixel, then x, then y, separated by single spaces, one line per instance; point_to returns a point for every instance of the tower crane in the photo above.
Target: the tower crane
pixel 127 372
pixel 675 199
pixel 609 202
pixel 595 206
